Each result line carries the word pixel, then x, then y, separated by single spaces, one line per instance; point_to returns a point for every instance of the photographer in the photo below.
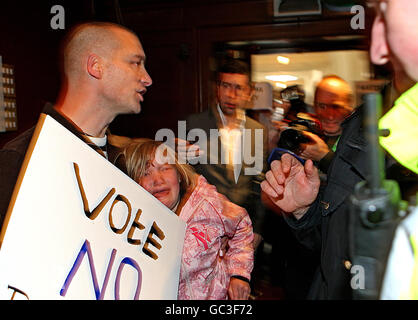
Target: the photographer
pixel 332 104
pixel 295 98
pixel 292 102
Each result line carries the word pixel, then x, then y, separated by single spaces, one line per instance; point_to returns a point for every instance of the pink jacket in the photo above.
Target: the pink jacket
pixel 210 216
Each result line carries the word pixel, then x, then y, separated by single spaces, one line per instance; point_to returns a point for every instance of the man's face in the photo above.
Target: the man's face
pixel 332 108
pixel 126 78
pixel 233 91
pixel 395 35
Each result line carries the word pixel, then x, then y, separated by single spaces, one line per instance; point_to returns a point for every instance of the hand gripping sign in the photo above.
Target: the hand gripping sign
pixel 79 228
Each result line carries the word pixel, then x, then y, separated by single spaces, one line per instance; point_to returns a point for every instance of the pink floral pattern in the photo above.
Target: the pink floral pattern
pixel 210 216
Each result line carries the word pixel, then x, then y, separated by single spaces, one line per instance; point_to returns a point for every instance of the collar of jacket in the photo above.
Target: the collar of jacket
pixel 64 121
pixel 402 121
pixel 220 119
pixel 49 109
pixel 353 138
pixel 348 167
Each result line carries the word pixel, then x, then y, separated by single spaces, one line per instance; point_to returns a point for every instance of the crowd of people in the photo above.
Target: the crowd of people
pixel 309 188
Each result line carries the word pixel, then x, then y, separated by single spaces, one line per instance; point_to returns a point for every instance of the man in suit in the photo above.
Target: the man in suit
pixel 236 147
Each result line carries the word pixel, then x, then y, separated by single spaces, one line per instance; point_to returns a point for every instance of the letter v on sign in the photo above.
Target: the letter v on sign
pixel 90 214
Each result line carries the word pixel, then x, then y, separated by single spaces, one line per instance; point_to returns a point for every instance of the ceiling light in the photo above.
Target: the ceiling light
pixel 281 85
pixel 282 78
pixel 283 60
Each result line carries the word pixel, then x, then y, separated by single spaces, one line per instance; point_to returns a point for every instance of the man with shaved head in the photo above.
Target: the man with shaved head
pixel 333 103
pixel 103 66
pixel 104 72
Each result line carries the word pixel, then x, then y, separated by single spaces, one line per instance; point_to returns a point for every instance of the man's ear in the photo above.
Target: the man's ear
pixel 379 49
pixel 94 66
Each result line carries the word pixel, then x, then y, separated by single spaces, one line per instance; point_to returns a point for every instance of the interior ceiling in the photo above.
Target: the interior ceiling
pixel 310 67
pixel 268 62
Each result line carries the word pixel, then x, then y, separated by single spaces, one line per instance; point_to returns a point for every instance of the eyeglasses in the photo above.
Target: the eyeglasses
pixel 239 90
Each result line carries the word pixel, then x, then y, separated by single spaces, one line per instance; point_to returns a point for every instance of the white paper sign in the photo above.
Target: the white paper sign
pixel 263 96
pixel 81 229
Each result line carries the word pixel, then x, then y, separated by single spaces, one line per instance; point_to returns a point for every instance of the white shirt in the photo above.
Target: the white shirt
pixel 232 141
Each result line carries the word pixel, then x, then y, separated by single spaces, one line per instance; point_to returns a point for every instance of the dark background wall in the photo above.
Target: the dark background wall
pixel 179 37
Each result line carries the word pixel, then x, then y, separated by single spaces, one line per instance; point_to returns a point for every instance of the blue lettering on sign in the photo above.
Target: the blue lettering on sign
pixel 86 248
pixel 117 281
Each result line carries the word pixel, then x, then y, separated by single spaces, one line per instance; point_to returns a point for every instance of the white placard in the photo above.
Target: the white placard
pixel 56 246
pixel 263 96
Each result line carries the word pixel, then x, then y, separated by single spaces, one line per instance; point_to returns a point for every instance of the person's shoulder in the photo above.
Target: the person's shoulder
pixel 254 124
pixel 204 120
pixel 353 126
pixel 355 116
pixel 208 193
pixel 219 202
pixel 204 115
pixel 20 143
pixel 204 189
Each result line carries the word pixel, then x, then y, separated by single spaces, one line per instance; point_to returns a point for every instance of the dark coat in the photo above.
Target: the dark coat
pixel 328 226
pixel 13 154
pixel 324 228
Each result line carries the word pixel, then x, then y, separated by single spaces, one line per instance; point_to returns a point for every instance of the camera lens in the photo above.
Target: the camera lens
pixel 291 139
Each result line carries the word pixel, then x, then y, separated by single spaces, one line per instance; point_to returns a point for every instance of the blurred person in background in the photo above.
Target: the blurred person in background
pixel 333 103
pixel 233 92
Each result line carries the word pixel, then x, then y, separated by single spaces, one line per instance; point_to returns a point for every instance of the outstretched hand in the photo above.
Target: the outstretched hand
pixel 292 186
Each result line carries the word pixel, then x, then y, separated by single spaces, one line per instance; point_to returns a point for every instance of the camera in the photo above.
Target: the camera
pixel 292 137
pixel 294 94
pixel 296 97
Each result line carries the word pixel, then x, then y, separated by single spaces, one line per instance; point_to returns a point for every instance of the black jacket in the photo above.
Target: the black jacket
pixel 328 226
pixel 324 228
pixel 13 154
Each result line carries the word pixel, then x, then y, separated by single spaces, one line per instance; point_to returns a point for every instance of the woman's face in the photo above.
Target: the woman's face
pixel 163 182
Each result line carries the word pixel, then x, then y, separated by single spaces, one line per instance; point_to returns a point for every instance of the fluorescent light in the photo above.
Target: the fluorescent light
pixel 281 85
pixel 282 78
pixel 283 60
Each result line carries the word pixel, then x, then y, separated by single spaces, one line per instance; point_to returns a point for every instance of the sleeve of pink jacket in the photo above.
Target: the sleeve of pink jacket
pixel 240 254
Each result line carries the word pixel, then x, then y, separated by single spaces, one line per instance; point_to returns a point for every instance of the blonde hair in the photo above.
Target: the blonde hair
pixel 143 151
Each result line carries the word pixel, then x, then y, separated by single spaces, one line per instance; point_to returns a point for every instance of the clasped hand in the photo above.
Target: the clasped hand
pixel 292 186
